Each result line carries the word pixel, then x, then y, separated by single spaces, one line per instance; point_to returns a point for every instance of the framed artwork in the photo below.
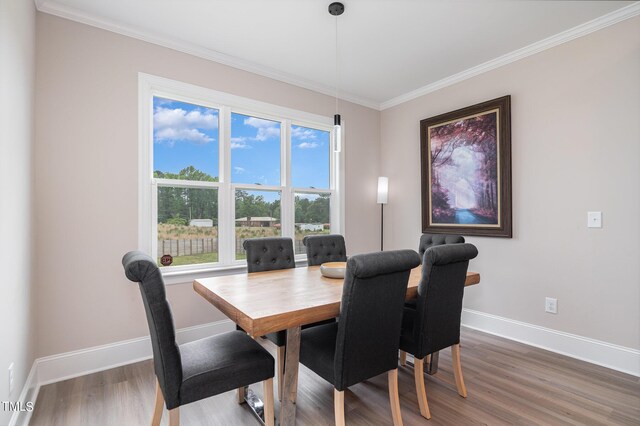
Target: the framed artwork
pixel 466 170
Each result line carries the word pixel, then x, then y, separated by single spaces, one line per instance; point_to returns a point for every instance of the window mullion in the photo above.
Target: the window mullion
pixel 226 196
pixel 154 219
pixel 286 197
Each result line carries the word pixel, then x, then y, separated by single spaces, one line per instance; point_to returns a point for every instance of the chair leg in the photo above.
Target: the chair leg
pixel 457 370
pixel 418 372
pixel 159 405
pixel 338 407
pixel 269 417
pixel 174 417
pixel 241 395
pixel 394 397
pixel 403 358
pixel 280 355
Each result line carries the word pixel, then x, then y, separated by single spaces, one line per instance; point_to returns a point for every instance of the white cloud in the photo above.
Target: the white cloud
pixel 308 145
pixel 259 122
pixel 176 124
pixel 171 135
pixel 239 170
pixel 239 143
pixel 266 128
pixel 177 117
pixel 265 133
pixel 303 133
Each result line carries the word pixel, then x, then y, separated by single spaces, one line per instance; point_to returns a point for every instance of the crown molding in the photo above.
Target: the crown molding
pixel 547 43
pixel 53 8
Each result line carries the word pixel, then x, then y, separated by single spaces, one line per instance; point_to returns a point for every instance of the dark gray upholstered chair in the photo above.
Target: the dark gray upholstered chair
pixel 196 370
pixel 325 248
pixel 435 322
pixel 364 341
pixel 430 240
pixel 270 254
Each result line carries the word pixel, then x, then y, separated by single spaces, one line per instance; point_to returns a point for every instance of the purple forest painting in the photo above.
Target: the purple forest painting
pixel 464 171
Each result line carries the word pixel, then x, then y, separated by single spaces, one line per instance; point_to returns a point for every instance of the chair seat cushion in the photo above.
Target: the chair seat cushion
pixel 318 348
pixel 221 363
pixel 412 303
pixel 315 324
pixel 280 337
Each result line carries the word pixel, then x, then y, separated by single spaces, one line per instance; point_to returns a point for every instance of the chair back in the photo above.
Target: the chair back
pixel 140 268
pixel 439 303
pixel 430 240
pixel 325 248
pixel 269 254
pixel 373 295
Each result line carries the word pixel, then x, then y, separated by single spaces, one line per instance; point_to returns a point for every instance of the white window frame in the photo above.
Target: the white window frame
pixel 150 86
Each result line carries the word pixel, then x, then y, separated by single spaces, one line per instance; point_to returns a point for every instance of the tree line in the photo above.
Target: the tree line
pixel 178 206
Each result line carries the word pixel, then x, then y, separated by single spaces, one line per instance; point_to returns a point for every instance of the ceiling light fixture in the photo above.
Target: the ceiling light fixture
pixel 336 9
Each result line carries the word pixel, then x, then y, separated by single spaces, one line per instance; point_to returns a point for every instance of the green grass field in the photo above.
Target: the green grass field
pixel 194 259
pixel 175 232
pixel 199 258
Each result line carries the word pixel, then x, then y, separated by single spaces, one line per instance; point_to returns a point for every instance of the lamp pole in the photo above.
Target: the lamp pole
pixel 383 197
pixel 381 226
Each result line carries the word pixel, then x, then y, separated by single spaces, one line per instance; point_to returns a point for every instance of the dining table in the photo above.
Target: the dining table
pixel 285 299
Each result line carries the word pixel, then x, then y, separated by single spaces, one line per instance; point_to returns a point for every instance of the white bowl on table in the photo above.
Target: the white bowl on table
pixel 333 269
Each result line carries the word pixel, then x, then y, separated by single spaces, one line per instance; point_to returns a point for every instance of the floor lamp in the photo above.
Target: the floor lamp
pixel 383 196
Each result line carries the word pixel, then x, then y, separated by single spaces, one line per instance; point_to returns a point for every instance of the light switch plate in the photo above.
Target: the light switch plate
pixel 594 219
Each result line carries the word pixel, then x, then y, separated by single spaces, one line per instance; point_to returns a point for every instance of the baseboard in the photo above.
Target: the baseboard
pixel 29 393
pixel 620 358
pixel 86 361
pixel 68 365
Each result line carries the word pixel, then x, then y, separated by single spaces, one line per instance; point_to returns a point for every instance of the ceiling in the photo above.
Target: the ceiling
pixel 389 50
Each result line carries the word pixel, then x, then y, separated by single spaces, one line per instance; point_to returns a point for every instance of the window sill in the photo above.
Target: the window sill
pixel 187 277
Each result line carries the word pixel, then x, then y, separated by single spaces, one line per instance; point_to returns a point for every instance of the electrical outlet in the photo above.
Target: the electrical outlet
pixel 10 378
pixel 551 305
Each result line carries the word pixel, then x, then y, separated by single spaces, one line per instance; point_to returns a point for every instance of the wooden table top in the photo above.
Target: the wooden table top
pixel 265 302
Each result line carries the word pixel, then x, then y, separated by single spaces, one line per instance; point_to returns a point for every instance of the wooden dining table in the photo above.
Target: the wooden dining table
pixel 267 302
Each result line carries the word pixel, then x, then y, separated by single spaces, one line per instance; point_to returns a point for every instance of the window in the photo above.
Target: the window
pixel 311 179
pixel 216 169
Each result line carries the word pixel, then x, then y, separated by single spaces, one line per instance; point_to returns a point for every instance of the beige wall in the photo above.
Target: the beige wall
pixel 86 176
pixel 576 148
pixel 17 54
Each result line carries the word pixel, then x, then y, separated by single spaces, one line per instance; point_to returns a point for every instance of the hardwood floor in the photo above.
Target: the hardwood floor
pixel 507 383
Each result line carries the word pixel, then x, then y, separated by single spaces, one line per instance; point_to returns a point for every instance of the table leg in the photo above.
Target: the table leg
pixel 433 364
pixel 287 405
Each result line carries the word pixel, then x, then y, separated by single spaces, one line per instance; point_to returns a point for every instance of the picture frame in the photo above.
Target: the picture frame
pixel 466 170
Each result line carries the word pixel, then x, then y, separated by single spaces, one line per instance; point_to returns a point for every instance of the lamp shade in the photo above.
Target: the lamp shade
pixel 383 190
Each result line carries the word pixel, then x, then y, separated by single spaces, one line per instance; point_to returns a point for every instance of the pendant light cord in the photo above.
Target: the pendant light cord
pixel 336 79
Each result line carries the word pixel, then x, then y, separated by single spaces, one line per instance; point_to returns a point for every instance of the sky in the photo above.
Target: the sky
pixel 188 135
